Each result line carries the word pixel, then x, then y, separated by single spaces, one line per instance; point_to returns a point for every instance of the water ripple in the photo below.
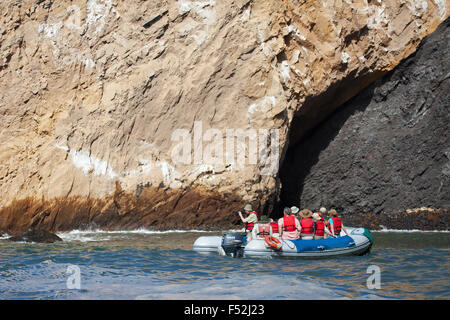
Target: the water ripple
pixel 161 266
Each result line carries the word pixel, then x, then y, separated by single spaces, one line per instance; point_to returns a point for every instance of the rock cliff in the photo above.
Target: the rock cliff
pixel 122 114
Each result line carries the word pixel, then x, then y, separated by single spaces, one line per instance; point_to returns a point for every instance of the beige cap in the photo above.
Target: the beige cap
pixel 248 207
pixel 306 213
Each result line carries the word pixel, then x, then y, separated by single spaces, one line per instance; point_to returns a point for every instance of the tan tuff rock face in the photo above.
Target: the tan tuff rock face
pixel 152 94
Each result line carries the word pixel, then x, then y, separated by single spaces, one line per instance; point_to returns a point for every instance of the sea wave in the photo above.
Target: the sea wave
pixel 105 235
pixel 87 235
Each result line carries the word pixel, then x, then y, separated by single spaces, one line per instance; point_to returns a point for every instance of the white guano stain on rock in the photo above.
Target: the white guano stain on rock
pixel 293 30
pixel 206 11
pixel 442 6
pixel 378 17
pixel 345 57
pixel 295 56
pixel 168 172
pixel 97 11
pixel 88 63
pixel 265 105
pixel 264 47
pixel 285 71
pixel 91 165
pixel 88 163
pixel 49 30
pixel 246 15
pixel 418 8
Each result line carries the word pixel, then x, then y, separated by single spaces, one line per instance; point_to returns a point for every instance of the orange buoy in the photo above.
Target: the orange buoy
pixel 273 243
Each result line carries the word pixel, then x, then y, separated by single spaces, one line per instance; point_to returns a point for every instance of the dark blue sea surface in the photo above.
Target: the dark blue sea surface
pixel 144 264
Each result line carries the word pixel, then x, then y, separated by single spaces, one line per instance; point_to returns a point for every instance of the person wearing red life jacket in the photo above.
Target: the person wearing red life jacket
pixel 320 229
pixel 306 224
pixel 262 228
pixel 275 231
pixel 250 220
pixel 289 226
pixel 294 211
pixel 322 212
pixel 335 224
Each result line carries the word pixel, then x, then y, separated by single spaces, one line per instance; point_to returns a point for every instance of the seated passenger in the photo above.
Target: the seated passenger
pixel 262 228
pixel 289 226
pixel 320 230
pixel 306 224
pixel 335 224
pixel 274 226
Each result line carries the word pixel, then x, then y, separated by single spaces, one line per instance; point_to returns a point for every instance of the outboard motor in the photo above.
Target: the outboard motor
pixel 233 244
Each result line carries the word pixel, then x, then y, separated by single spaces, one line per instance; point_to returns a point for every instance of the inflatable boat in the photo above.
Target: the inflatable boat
pixel 358 242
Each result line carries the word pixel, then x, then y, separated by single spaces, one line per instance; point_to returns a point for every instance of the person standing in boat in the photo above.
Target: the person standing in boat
pixel 250 220
pixel 335 224
pixel 289 226
pixel 306 224
pixel 262 228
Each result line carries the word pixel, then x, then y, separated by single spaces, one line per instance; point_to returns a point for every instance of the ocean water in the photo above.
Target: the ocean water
pixel 154 265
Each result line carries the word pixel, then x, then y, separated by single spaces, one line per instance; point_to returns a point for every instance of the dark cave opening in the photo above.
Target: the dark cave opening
pixel 302 156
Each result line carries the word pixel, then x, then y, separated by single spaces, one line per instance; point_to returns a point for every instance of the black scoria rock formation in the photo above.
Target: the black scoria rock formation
pixel 385 150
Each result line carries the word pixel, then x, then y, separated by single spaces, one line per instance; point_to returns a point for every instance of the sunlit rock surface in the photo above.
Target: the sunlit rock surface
pixel 92 92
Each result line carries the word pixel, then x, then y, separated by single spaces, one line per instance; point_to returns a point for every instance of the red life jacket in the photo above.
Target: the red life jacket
pixel 337 222
pixel 274 226
pixel 263 229
pixel 320 228
pixel 307 225
pixel 289 223
pixel 249 226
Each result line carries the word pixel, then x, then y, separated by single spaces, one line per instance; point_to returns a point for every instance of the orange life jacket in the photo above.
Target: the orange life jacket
pixel 307 225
